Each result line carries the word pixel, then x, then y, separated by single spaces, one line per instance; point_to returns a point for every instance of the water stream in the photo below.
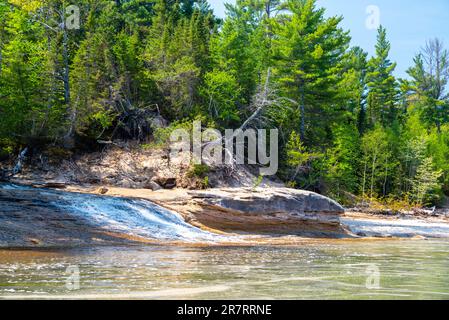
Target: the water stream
pixel 133 217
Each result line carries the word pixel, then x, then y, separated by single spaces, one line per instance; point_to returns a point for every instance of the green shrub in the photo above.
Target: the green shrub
pixel 198 171
pixel 258 181
pixel 6 149
pixel 161 136
pixel 206 182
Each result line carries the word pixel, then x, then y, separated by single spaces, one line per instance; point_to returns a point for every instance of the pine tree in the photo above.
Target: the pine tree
pixel 353 88
pixel 29 102
pixel 382 85
pixel 430 76
pixel 298 157
pixel 343 162
pixel 237 49
pixel 176 56
pixel 309 49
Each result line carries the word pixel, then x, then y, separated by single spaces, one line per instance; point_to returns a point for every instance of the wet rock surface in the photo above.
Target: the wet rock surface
pixel 26 220
pixel 273 211
pixel 36 217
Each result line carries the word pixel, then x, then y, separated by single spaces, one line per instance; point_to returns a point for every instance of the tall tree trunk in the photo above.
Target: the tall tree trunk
pixel 364 178
pixel 69 137
pixel 302 112
pixel 385 178
pixel 373 169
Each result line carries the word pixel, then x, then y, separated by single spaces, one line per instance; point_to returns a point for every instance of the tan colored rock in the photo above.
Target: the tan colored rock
pixel 102 190
pixel 152 186
pixel 166 182
pixel 26 215
pixel 253 211
pixel 260 211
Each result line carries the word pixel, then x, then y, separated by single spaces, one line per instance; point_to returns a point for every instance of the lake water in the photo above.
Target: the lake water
pixel 387 269
pixel 321 269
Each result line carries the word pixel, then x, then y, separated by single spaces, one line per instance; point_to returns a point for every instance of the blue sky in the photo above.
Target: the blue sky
pixel 409 24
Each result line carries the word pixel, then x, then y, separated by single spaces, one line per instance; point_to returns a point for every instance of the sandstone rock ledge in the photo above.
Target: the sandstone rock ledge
pixel 31 217
pixel 271 210
pixel 254 211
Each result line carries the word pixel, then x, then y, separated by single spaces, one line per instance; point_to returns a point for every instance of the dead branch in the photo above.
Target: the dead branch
pixel 5 176
pixel 264 99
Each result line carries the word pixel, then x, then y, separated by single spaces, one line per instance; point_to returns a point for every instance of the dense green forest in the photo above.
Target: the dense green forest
pixel 346 124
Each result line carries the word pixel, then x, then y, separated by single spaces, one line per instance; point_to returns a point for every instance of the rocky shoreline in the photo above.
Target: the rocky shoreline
pixel 247 216
pixel 278 211
pixel 232 204
pixel 31 220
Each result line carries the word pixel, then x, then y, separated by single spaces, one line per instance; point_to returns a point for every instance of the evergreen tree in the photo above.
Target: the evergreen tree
pixel 430 76
pixel 176 56
pixel 238 48
pixel 343 162
pixel 309 49
pixel 382 85
pixel 353 88
pixel 29 105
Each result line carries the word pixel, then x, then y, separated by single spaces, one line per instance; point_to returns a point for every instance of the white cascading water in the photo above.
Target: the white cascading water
pixel 402 228
pixel 144 218
pixel 127 216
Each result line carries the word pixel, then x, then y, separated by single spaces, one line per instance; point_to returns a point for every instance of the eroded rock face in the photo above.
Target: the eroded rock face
pixel 30 221
pixel 40 217
pixel 272 200
pixel 165 182
pixel 259 211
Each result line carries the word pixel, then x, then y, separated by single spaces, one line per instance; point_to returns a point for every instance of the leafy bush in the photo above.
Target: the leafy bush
pixel 6 149
pixel 198 171
pixel 161 136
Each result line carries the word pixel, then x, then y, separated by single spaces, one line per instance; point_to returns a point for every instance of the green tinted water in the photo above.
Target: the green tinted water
pixel 407 269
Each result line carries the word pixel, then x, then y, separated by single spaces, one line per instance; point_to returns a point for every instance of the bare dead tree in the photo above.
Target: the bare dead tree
pixel 434 74
pixel 265 100
pixel 19 164
pixel 5 175
pixel 436 58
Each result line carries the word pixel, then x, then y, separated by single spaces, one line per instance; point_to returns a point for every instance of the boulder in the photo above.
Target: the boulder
pixel 102 190
pixel 158 122
pixel 259 211
pixel 165 182
pixel 152 186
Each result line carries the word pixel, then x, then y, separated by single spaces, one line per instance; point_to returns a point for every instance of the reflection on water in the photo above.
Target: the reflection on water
pixel 341 270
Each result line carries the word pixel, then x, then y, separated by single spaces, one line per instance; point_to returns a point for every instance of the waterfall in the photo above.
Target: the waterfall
pixel 120 215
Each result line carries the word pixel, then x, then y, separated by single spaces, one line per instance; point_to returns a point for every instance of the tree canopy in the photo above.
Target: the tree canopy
pixel 347 124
